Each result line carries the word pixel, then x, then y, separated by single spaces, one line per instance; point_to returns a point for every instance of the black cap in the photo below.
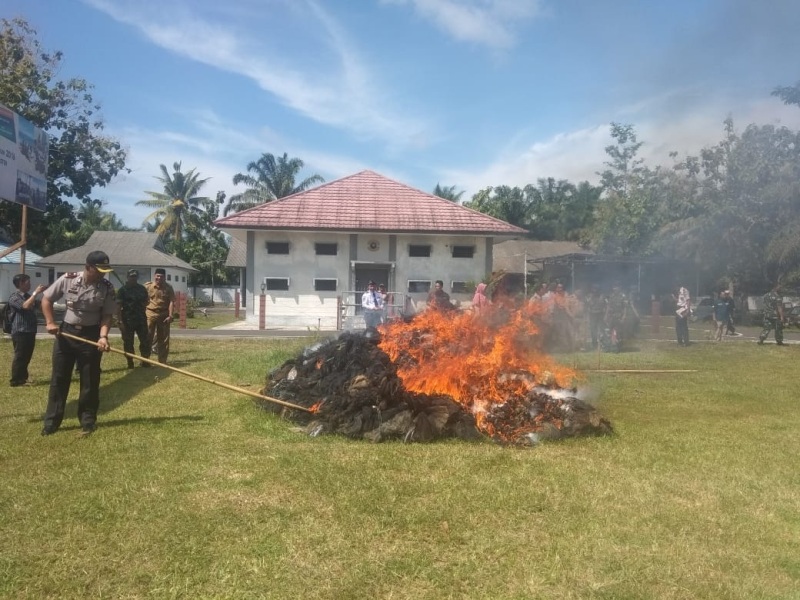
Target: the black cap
pixel 99 260
pixel 133 273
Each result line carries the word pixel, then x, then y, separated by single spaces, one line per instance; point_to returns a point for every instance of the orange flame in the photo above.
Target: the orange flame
pixel 482 360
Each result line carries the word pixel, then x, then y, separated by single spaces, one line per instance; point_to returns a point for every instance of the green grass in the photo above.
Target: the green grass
pixel 187 490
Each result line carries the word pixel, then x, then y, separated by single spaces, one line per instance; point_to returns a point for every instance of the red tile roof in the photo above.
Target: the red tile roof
pixel 367 201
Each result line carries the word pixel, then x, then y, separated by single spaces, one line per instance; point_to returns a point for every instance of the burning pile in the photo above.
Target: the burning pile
pixel 441 374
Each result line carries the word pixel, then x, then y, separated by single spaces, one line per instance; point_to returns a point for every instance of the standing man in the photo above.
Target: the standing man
pixel 438 298
pixel 726 295
pixel 372 303
pixel 682 313
pixel 596 306
pixel 23 327
pixel 160 308
pixel 90 306
pixel 132 300
pixel 616 313
pixel 721 315
pixel 773 315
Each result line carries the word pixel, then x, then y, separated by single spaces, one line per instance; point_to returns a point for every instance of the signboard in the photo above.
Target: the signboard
pixel 23 160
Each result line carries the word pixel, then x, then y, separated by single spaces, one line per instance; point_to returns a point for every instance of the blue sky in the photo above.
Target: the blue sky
pixel 470 93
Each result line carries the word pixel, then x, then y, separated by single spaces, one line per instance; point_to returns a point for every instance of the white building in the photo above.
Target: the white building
pixel 310 255
pixel 11 265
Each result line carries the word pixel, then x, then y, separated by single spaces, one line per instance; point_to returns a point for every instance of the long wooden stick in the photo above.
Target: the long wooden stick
pixel 190 374
pixel 639 370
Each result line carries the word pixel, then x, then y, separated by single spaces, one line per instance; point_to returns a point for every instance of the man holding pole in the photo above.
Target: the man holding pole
pixel 132 301
pixel 90 305
pixel 160 308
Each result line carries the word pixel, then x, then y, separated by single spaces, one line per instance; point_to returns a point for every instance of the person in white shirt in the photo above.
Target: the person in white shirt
pixel 372 303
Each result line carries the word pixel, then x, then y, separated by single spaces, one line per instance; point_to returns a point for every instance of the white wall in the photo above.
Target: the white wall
pixel 301 306
pixel 38 276
pixel 175 277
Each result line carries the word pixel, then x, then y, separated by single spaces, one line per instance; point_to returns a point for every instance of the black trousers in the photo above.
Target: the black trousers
pixel 682 330
pixel 23 352
pixel 66 353
pixel 138 328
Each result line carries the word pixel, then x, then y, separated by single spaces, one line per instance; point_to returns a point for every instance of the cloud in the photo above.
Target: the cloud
pixel 487 22
pixel 325 80
pixel 578 155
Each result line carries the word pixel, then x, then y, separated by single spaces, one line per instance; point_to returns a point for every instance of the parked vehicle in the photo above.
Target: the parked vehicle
pixel 703 310
pixel 792 316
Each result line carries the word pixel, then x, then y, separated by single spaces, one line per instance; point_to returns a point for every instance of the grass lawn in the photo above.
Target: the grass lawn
pixel 187 490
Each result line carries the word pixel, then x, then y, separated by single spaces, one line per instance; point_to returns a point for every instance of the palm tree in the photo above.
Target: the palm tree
pixel 268 179
pixel 177 207
pixel 448 193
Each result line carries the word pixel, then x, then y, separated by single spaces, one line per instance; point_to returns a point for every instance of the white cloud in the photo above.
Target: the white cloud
pixel 578 155
pixel 330 85
pixel 488 22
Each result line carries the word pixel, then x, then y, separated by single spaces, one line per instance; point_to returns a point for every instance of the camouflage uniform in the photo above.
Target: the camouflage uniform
pixel 132 299
pixel 772 318
pixel 615 314
pixel 596 307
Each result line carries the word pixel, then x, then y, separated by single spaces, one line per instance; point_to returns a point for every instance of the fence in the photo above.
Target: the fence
pixel 351 313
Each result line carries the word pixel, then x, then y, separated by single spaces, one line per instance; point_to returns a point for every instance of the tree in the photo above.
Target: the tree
pixel 631 211
pixel 178 205
pixel 448 193
pixel 268 179
pixel 80 157
pixel 206 248
pixel 789 95
pixel 503 202
pixel 560 210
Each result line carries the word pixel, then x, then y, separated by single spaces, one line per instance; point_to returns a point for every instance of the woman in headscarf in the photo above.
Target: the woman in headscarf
pixel 479 300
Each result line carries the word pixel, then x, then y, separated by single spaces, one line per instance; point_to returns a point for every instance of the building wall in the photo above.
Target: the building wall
pixel 175 277
pixel 302 306
pixel 38 276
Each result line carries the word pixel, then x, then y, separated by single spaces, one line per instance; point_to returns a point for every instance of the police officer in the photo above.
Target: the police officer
pixel 90 305
pixel 132 302
pixel 160 308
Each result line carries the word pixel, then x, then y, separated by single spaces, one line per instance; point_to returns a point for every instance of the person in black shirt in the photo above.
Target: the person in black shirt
pixel 23 327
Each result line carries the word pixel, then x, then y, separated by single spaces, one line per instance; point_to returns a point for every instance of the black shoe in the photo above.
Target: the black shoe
pixel 88 429
pixel 130 364
pixel 46 431
pixel 779 343
pixel 144 364
pixel 760 342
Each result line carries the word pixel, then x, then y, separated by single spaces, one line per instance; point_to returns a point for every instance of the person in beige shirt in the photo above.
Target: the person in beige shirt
pixel 159 311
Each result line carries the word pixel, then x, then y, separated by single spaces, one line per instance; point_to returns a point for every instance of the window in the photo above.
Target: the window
pixel 38 274
pixel 277 247
pixel 277 284
pixel 325 249
pixel 460 287
pixel 419 250
pixel 463 251
pixel 183 278
pixel 325 285
pixel 418 286
pixel 169 277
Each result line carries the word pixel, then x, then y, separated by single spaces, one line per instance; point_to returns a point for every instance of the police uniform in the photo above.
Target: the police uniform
pixel 772 318
pixel 87 305
pixel 132 299
pixel 159 300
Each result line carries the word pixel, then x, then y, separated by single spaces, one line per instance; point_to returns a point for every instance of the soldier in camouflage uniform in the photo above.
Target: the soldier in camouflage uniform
pixel 773 315
pixel 616 312
pixel 132 300
pixel 596 307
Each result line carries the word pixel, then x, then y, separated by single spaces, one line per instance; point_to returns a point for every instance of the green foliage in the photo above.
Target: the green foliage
pixel 178 206
pixel 268 179
pixel 81 158
pixel 503 202
pixel 448 193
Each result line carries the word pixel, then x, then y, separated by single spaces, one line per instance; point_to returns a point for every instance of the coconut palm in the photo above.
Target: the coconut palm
pixel 448 193
pixel 177 207
pixel 268 179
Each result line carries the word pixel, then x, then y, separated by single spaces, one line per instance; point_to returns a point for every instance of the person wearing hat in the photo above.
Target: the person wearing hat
pixel 91 304
pixel 160 308
pixel 132 301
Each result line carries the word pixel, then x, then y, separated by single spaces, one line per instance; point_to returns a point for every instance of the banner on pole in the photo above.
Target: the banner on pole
pixel 23 160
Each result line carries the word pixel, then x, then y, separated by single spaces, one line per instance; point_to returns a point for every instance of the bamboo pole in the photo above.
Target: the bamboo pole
pixel 190 374
pixel 640 370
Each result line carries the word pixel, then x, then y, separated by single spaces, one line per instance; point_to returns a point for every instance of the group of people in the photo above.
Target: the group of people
pixel 91 304
pixel 376 302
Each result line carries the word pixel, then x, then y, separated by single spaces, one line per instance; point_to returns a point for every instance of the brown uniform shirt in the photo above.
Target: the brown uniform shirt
pixel 159 299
